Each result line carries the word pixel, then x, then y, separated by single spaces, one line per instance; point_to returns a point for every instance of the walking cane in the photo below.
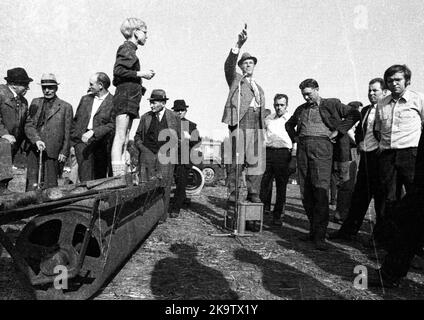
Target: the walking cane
pixel 40 169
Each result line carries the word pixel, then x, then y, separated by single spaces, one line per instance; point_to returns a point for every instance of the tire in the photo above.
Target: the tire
pixel 210 175
pixel 195 181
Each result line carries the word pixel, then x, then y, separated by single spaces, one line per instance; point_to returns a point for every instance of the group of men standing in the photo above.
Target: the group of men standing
pixel 46 130
pixel 387 134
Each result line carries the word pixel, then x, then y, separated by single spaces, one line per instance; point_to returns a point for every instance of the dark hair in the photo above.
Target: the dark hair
pixel 398 68
pixel 308 83
pixel 378 80
pixel 103 79
pixel 355 104
pixel 279 96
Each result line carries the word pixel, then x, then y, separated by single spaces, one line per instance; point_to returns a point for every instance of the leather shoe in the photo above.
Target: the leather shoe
pixel 232 197
pixel 337 235
pixel 174 214
pixel 253 197
pixel 276 219
pixel 321 245
pixel 378 278
pixel 305 237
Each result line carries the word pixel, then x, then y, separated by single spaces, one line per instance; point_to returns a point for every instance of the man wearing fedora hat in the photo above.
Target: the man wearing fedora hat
pixel 157 140
pixel 189 139
pixel 48 128
pixel 13 114
pixel 244 114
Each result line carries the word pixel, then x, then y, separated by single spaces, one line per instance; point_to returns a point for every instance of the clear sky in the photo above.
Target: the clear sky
pixel 340 43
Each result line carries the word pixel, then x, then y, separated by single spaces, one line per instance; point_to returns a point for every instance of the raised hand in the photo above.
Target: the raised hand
pixel 242 37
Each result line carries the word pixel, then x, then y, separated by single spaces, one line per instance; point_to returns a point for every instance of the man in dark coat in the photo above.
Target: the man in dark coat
pixel 13 114
pixel 92 130
pixel 318 123
pixel 189 138
pixel 367 184
pixel 157 138
pixel 48 128
pixel 244 114
pixel 408 231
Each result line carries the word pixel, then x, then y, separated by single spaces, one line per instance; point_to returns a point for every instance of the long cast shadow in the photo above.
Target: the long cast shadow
pixel 207 213
pixel 285 281
pixel 184 277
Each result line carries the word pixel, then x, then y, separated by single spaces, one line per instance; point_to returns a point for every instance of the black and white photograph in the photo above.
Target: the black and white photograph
pixel 207 157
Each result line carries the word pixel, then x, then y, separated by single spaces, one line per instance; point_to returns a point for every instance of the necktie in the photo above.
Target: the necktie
pixel 255 91
pixel 19 111
pixel 155 124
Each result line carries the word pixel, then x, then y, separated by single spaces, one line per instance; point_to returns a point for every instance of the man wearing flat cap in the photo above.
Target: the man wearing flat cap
pixel 244 114
pixel 13 114
pixel 189 139
pixel 157 140
pixel 48 128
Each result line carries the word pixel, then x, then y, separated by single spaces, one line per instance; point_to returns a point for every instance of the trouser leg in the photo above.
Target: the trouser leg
pixel 361 199
pixel 409 236
pixel 266 182
pixel 281 166
pixel 181 183
pixel 320 154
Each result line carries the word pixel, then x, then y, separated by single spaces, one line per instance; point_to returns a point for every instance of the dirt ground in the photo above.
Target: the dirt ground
pixel 189 258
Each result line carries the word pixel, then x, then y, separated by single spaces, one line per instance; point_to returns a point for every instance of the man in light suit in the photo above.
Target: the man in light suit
pixel 92 130
pixel 13 114
pixel 48 128
pixel 157 139
pixel 244 114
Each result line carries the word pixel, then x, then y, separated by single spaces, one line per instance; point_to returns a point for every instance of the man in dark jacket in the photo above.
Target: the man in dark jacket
pixel 48 128
pixel 408 231
pixel 157 140
pixel 367 184
pixel 318 123
pixel 189 138
pixel 92 130
pixel 13 114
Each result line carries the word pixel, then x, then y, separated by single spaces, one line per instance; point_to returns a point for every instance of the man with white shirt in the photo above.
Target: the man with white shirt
pixel 93 128
pixel 398 122
pixel 278 156
pixel 367 184
pixel 244 113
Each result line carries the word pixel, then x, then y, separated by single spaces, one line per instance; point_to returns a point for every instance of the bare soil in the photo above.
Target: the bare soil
pixel 190 257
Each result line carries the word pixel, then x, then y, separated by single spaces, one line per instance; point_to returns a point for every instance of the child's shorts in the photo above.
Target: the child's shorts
pixel 127 99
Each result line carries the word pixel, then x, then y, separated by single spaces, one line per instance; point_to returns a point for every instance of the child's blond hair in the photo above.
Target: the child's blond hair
pixel 131 24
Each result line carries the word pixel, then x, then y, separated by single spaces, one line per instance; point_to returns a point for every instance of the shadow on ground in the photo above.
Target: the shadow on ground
pixel 285 281
pixel 183 277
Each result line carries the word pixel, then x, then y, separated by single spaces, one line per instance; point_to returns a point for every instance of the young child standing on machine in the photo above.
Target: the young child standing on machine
pixel 127 78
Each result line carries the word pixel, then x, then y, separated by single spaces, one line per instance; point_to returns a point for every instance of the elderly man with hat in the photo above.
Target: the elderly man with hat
pixel 157 140
pixel 48 128
pixel 189 139
pixel 244 114
pixel 13 114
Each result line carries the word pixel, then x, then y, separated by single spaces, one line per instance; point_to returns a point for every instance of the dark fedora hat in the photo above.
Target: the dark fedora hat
pixel 18 75
pixel 158 95
pixel 179 105
pixel 246 56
